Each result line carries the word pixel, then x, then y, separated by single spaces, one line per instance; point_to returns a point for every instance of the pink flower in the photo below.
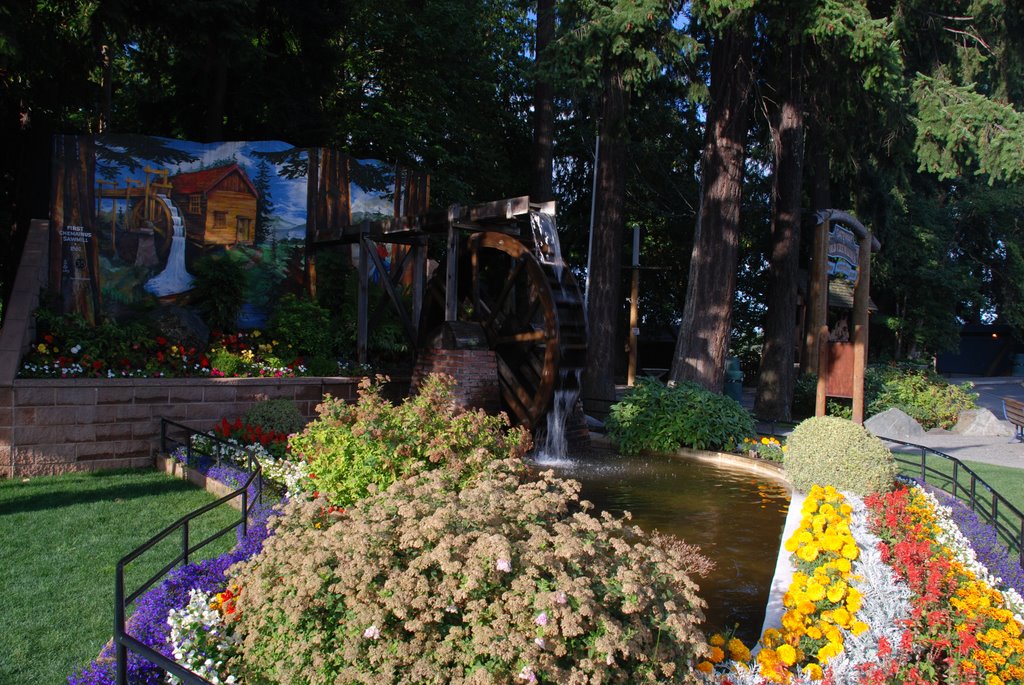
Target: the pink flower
pixel 542 619
pixel 560 598
pixel 528 675
pixel 372 633
pixel 503 565
pixel 539 641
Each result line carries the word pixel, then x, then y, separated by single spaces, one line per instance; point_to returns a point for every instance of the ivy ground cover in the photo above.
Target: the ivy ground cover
pixel 62 537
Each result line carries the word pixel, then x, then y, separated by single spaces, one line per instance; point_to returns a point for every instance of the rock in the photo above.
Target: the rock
pixel 180 325
pixel 894 423
pixel 981 421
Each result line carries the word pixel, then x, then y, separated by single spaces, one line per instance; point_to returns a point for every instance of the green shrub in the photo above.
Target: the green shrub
pixel 219 289
pixel 502 581
pixel 826 450
pixel 226 362
pixel 281 416
pixel 353 449
pixel 924 395
pixel 322 366
pixel 652 416
pixel 303 325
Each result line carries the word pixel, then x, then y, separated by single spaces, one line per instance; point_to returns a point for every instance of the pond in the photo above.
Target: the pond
pixel 734 516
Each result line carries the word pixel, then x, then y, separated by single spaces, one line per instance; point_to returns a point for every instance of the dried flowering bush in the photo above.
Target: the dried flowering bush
pixel 353 449
pixel 501 580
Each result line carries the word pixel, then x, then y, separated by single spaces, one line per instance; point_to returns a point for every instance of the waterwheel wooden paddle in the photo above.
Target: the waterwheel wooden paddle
pixel 531 311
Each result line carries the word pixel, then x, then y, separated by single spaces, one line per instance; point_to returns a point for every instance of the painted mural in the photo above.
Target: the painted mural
pixel 134 218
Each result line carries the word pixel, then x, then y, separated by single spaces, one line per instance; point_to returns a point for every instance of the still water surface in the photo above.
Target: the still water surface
pixel 735 517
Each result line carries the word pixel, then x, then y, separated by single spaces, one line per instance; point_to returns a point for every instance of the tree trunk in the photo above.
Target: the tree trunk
pixel 707 315
pixel 543 109
pixel 775 380
pixel 821 198
pixel 603 296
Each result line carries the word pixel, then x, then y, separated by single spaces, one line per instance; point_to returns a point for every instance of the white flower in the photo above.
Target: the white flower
pixel 539 641
pixel 503 565
pixel 372 633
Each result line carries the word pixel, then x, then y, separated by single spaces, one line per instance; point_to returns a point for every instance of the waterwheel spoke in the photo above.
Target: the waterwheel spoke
pixel 506 289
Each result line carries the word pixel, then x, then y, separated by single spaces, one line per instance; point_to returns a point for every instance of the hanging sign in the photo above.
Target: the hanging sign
pixel 843 253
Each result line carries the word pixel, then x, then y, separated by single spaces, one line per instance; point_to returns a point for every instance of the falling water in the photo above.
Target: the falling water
pixel 175 278
pixel 556 444
pixel 545 235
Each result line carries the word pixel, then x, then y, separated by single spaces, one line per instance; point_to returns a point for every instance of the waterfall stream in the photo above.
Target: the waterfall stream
pixel 175 278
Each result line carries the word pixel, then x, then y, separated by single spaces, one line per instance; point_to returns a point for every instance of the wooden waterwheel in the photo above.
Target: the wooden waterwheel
pixel 530 309
pixel 155 212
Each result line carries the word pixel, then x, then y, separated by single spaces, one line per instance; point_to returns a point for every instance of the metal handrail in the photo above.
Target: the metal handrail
pixel 123 642
pixel 990 508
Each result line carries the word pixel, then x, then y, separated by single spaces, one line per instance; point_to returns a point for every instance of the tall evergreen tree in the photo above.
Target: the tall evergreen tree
pixel 707 317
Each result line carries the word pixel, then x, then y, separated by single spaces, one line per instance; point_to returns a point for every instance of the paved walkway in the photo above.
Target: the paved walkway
pixel 1001 451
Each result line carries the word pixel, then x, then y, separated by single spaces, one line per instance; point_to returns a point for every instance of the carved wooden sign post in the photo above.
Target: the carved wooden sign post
pixel 842 249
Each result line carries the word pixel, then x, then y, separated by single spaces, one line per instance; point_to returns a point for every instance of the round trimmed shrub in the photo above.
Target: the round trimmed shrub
pixel 826 450
pixel 281 416
pixel 504 580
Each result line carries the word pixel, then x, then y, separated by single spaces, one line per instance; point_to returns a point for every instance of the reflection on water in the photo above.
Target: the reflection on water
pixel 735 517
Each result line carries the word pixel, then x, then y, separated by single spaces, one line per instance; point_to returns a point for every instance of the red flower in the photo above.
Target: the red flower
pixel 97 365
pixel 48 338
pixel 161 340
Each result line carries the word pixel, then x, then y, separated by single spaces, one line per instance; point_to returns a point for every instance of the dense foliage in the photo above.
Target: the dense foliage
pixel 929 398
pixel 356 449
pixel 281 416
pixel 505 579
pixel 827 450
pixel 654 416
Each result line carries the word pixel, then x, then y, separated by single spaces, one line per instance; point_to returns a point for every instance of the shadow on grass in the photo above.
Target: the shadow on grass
pixel 66 491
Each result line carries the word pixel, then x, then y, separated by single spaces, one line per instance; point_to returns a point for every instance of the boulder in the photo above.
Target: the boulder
pixel 982 422
pixel 894 423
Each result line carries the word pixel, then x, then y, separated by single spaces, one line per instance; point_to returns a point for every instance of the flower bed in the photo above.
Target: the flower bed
pixel 111 351
pixel 915 605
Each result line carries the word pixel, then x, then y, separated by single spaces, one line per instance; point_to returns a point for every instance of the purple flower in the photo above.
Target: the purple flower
pixel 542 618
pixel 372 633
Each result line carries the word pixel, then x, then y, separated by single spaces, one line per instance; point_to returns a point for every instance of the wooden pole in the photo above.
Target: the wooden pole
pixel 817 305
pixel 451 295
pixel 634 308
pixel 860 326
pixel 363 307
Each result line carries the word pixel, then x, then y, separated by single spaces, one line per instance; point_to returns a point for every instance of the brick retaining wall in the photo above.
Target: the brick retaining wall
pixel 58 426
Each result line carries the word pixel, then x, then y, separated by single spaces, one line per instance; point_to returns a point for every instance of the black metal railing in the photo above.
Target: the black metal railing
pixel 963 483
pixel 217 451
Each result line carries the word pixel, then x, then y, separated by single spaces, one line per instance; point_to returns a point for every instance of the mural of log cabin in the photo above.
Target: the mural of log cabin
pixel 219 205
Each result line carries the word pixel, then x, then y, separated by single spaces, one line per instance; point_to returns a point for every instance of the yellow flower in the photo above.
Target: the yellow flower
pixel 815 591
pixel 808 552
pixel 717 655
pixel 850 551
pixel 717 640
pixel 814 672
pixel 787 654
pixel 858 627
pixel 42 348
pixel 738 651
pixel 836 591
pixel 828 651
pixel 705 667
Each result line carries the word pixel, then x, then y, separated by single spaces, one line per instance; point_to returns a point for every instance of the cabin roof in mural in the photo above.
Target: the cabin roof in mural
pixel 208 179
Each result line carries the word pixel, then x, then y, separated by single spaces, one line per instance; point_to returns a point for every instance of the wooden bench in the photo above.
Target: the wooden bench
pixel 1013 410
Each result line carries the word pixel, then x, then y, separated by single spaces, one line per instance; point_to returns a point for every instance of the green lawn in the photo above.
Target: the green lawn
pixel 60 539
pixel 1008 482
